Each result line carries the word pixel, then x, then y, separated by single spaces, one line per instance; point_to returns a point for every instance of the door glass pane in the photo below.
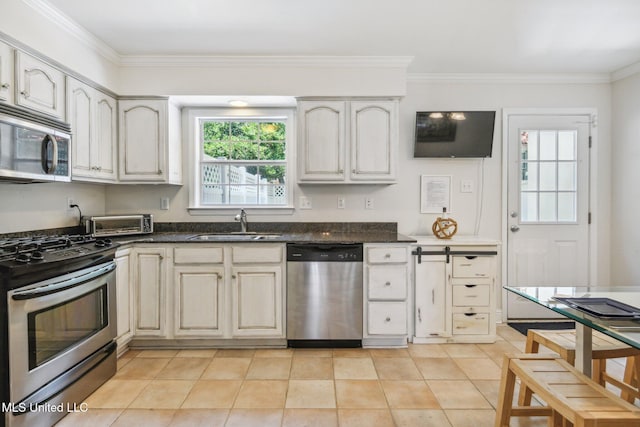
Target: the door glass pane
pixel 547 176
pixel 529 144
pixel 55 329
pixel 529 208
pixel 567 145
pixel 567 176
pixel 547 145
pixel 567 207
pixel 548 207
pixel 529 176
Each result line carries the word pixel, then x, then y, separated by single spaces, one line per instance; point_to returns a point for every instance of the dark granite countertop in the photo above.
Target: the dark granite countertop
pixel 276 232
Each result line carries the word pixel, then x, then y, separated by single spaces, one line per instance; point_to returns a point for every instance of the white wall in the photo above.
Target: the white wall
pixel 625 191
pixel 400 202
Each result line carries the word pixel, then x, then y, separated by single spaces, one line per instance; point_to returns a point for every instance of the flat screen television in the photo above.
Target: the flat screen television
pixel 454 133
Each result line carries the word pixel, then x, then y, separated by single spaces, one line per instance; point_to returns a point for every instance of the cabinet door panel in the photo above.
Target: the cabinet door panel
pixel 6 72
pixel 40 86
pixel 106 137
pixel 430 294
pixel 198 298
pixel 150 295
pixel 322 135
pixel 123 297
pixel 81 119
pixel 257 301
pixel 142 140
pixel 373 140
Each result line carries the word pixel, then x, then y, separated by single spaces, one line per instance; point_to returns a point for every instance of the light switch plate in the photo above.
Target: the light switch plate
pixel 305 203
pixel 466 186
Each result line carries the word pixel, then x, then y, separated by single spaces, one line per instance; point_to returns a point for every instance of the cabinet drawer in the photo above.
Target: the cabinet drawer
pixel 470 323
pixel 257 253
pixel 384 255
pixel 471 295
pixel 198 255
pixel 387 282
pixel 479 266
pixel 387 318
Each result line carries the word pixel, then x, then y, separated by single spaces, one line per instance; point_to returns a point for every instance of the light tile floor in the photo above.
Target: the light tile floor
pixel 449 385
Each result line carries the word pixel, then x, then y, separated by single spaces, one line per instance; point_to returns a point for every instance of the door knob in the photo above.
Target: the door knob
pixel 515 228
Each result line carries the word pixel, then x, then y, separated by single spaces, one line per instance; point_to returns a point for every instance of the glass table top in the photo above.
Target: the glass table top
pixel 614 311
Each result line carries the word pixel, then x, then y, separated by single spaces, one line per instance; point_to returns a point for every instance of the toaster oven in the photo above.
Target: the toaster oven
pixel 119 225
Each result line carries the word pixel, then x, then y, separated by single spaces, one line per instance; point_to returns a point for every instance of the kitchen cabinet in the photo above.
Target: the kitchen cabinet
pixel 347 141
pixel 455 292
pixel 258 297
pixel 386 283
pixel 93 117
pixel 124 299
pixel 198 291
pixel 149 141
pixel 6 72
pixel 40 86
pixel 150 281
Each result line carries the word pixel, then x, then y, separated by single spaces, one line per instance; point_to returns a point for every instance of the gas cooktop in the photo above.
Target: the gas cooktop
pixel 46 255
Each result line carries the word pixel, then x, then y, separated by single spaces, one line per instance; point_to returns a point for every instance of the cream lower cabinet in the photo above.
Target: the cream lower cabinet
pixel 124 299
pixel 150 281
pixel 455 294
pixel 198 291
pixel 257 291
pixel 386 284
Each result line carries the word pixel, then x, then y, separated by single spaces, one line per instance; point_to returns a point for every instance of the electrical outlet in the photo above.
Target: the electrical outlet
pixel 466 186
pixel 164 203
pixel 341 202
pixel 368 202
pixel 305 203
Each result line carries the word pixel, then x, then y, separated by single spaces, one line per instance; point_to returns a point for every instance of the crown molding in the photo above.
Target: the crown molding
pixel 231 61
pixel 70 26
pixel 625 72
pixel 510 78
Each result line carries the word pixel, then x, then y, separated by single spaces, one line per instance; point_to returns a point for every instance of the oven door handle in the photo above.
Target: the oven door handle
pixel 52 288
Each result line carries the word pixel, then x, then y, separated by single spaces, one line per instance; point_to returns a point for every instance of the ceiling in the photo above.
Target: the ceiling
pixel 443 36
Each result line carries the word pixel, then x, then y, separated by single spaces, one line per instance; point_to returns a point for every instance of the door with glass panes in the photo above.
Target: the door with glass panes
pixel 548 206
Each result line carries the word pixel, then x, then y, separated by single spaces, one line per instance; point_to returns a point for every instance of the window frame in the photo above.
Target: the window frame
pixel 191 119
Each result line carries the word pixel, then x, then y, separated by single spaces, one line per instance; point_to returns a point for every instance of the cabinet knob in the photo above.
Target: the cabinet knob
pixel 341 171
pixel 23 93
pixel 354 171
pixel 387 284
pixel 388 319
pixel 387 255
pixel 5 85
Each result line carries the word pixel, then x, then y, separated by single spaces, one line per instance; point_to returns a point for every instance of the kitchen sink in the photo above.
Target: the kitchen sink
pixel 234 236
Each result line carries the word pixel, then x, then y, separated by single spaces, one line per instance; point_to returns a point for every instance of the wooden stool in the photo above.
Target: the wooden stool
pixel 570 396
pixel 604 347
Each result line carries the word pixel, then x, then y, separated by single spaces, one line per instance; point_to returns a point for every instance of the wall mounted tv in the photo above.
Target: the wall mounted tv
pixel 454 133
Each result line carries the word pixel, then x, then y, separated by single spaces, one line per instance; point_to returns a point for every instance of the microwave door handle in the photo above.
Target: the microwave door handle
pixel 49 169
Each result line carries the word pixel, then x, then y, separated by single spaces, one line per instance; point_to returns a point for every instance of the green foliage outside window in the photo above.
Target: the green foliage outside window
pixel 240 140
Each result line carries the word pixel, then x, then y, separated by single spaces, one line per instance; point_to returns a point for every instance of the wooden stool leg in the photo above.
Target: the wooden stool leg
pixel 505 398
pixel 599 367
pixel 631 375
pixel 531 346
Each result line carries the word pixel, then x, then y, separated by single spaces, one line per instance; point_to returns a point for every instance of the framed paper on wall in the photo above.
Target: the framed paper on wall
pixel 435 193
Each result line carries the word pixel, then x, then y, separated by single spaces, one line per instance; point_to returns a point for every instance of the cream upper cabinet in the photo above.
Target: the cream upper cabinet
pixel 322 141
pixel 93 117
pixel 348 141
pixel 6 72
pixel 40 86
pixel 149 141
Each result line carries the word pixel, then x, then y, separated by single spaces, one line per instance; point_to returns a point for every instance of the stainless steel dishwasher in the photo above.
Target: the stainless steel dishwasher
pixel 324 295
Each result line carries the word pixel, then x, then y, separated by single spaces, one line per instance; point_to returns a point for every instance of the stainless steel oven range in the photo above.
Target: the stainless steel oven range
pixel 58 325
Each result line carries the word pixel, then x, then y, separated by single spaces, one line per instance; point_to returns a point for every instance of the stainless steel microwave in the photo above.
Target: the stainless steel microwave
pixel 33 148
pixel 119 225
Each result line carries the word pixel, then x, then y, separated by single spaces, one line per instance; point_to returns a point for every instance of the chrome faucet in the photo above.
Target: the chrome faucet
pixel 242 217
